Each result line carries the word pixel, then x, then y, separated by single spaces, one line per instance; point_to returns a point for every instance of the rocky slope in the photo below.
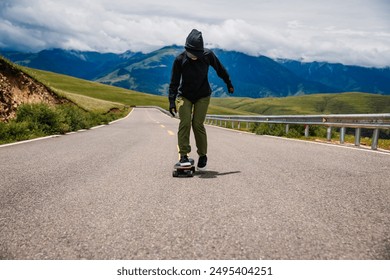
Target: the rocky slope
pixel 16 88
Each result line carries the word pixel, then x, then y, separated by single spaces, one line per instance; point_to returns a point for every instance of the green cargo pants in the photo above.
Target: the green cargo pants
pixel 192 114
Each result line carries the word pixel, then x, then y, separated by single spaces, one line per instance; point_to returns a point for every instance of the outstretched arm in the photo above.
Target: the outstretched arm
pixel 221 72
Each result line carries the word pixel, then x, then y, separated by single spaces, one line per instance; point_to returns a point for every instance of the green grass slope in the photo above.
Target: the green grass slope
pixel 97 96
pixel 99 99
pixel 94 96
pixel 344 103
pixel 85 92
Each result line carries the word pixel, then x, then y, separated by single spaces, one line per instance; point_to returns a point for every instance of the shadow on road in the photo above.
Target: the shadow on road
pixel 213 174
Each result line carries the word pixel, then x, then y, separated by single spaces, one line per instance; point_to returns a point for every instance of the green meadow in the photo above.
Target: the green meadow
pixel 96 96
pixel 99 100
pixel 315 104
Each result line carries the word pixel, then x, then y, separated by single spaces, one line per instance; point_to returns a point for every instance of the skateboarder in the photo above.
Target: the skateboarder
pixel 190 85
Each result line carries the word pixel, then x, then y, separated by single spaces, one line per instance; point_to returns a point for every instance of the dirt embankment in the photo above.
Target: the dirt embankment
pixel 17 88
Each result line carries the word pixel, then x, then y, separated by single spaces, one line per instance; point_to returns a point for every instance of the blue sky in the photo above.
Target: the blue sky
pixel 346 31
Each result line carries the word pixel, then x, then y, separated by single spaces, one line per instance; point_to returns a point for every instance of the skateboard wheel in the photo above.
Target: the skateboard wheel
pixel 175 174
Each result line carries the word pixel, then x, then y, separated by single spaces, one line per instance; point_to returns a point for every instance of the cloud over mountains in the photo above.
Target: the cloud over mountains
pixel 350 31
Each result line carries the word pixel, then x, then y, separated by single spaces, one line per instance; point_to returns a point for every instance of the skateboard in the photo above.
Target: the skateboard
pixel 184 171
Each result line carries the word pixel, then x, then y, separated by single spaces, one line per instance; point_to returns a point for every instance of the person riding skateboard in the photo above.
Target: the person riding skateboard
pixel 189 84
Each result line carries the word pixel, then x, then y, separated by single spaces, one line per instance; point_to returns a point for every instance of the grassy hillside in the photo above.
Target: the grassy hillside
pixel 345 103
pixel 94 96
pixel 85 92
pixel 97 96
pixel 99 99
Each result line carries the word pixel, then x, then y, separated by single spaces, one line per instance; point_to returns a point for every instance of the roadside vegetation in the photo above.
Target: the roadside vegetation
pixel 38 120
pixel 74 112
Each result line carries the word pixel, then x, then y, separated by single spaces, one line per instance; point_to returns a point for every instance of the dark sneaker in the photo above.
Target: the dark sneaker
pixel 202 162
pixel 184 161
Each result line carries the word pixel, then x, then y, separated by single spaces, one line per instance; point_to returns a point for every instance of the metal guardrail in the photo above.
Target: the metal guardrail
pixel 359 121
pixel 356 121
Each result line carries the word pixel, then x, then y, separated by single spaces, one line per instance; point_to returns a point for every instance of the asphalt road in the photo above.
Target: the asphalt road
pixel 108 193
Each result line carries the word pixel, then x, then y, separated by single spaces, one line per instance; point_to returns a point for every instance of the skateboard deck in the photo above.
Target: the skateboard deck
pixel 184 171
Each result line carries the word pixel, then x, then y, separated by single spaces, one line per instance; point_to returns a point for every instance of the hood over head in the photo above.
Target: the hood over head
pixel 194 43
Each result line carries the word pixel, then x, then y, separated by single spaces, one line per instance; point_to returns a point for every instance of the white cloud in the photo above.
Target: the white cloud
pixel 349 31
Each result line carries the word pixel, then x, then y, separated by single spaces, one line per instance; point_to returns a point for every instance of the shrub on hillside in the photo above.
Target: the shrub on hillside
pixel 295 131
pixel 75 118
pixel 278 130
pixel 40 117
pixel 36 120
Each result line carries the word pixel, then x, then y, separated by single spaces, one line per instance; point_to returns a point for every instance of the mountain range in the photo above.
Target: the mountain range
pixel 252 76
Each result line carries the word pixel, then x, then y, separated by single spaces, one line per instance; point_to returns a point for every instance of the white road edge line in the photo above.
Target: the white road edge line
pixel 30 140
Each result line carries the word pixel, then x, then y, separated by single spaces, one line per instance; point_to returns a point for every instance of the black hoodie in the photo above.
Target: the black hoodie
pixel 190 77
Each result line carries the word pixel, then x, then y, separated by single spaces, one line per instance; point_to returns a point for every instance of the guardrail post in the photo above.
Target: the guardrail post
pixel 375 136
pixel 306 130
pixel 232 125
pixel 247 125
pixel 329 133
pixel 358 133
pixel 225 124
pixel 287 128
pixel 239 125
pixel 342 135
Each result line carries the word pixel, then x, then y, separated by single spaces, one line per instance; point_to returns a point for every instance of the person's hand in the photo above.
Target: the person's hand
pixel 172 108
pixel 230 89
